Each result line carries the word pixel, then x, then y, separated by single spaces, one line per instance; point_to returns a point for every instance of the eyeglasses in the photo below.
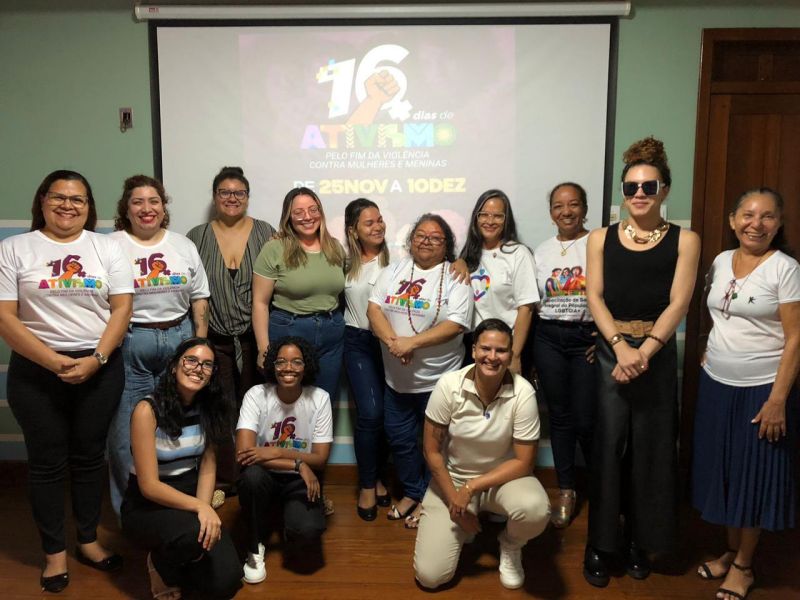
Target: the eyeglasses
pixel 282 363
pixel 493 217
pixel 60 199
pixel 435 240
pixel 730 296
pixel 313 211
pixel 190 363
pixel 238 194
pixel 651 187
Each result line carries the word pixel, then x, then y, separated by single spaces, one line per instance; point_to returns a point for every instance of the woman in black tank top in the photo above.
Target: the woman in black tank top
pixel 640 278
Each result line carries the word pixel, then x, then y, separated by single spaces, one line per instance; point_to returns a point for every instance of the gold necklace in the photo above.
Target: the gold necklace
pixel 563 248
pixel 650 237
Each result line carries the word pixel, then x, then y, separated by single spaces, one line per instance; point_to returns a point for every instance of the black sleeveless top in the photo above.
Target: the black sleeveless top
pixel 636 285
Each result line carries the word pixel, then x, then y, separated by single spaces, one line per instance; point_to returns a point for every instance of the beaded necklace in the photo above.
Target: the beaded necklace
pixel 438 299
pixel 650 236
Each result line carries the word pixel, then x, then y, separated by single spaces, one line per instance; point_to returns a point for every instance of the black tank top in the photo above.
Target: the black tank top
pixel 636 285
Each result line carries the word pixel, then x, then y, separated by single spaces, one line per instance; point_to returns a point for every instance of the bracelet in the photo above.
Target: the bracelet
pixel 656 338
pixel 297 463
pixel 615 339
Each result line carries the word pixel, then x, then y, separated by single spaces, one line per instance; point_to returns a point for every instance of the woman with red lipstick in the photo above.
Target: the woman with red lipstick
pixel 170 303
pixel 640 277
pixel 746 414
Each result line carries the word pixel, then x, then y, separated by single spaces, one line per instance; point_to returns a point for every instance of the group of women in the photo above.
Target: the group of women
pixel 198 317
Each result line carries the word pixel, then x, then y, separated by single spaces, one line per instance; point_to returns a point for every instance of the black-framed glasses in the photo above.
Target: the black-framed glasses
pixel 729 296
pixel 60 199
pixel 490 216
pixel 282 363
pixel 191 363
pixel 435 240
pixel 651 187
pixel 238 194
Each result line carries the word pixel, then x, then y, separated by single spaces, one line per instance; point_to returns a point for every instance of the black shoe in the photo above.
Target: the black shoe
pixel 54 583
pixel 637 564
pixel 383 500
pixel 595 570
pixel 368 514
pixel 108 565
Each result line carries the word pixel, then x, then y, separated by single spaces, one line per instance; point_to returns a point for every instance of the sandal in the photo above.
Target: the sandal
pixel 737 595
pixel 159 589
pixel 411 522
pixel 395 514
pixel 704 570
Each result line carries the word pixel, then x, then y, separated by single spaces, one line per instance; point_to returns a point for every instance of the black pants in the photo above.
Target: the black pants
pixel 65 428
pixel 171 537
pixel 260 490
pixel 635 462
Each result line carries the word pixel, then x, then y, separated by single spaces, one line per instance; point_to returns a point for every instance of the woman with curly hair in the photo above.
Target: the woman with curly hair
pixel 640 278
pixel 167 506
pixel 283 440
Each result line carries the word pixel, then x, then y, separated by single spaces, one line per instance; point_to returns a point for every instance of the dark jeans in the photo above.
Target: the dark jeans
pixel 568 383
pixel 260 489
pixel 65 427
pixel 404 416
pixel 324 331
pixel 362 359
pixel 171 537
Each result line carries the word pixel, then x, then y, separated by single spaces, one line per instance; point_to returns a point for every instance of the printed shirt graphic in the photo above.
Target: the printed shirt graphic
pixel 294 426
pixel 398 296
pixel 62 289
pixel 167 276
pixel 503 282
pixel 562 280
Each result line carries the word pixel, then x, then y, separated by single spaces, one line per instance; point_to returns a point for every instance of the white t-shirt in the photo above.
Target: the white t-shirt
pixel 357 293
pixel 562 280
pixel 392 292
pixel 62 289
pixel 478 439
pixel 296 426
pixel 503 282
pixel 745 348
pixel 167 276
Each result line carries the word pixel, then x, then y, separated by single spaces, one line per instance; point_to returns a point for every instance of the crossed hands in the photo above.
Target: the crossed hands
pixel 631 362
pixel 74 370
pixel 402 348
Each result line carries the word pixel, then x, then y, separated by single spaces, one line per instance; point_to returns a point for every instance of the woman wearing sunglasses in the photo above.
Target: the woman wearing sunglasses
pixel 167 506
pixel 640 277
pixel 65 303
pixel 746 414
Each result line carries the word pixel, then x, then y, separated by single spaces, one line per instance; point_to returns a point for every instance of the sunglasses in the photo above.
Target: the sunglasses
pixel 650 187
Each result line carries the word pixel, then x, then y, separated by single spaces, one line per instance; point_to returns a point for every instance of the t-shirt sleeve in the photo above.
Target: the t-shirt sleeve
pixel 439 409
pixel 378 294
pixel 526 290
pixel 526 412
pixel 266 264
pixel 323 426
pixel 200 287
pixel 789 285
pixel 250 413
pixel 460 303
pixel 120 273
pixel 8 272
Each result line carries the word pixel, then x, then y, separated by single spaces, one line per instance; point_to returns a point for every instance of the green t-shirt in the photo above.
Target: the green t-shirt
pixel 314 287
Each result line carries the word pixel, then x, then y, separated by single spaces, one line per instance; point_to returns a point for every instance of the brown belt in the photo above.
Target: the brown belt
pixel 160 324
pixel 637 329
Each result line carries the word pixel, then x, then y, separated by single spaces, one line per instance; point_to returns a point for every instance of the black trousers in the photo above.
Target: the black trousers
pixel 171 536
pixel 635 462
pixel 65 428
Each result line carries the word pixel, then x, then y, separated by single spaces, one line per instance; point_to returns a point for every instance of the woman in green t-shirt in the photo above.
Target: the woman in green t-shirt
pixel 301 274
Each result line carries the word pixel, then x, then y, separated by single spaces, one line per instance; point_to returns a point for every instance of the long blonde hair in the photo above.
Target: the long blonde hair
pixel 293 254
pixel 352 213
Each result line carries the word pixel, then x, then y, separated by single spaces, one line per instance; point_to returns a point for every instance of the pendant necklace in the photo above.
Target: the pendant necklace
pixel 571 244
pixel 438 299
pixel 650 237
pixel 734 287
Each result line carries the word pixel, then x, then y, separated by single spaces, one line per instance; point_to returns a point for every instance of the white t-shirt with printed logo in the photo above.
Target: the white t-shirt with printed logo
pixel 296 426
pixel 357 293
pixel 745 347
pixel 562 280
pixel 504 281
pixel 167 276
pixel 393 292
pixel 62 289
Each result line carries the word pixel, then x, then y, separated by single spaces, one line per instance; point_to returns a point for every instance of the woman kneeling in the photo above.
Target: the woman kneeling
pixel 480 440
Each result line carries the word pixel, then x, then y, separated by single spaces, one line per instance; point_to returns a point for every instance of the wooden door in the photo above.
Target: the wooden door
pixel 748 135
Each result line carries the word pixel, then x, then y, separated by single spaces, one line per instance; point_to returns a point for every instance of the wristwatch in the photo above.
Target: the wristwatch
pixel 101 358
pixel 297 463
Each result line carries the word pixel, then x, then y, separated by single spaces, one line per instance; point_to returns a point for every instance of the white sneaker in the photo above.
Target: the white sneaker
pixel 254 569
pixel 512 575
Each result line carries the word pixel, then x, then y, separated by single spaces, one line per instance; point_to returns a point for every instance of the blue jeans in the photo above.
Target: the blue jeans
pixel 146 353
pixel 324 331
pixel 568 383
pixel 362 359
pixel 404 415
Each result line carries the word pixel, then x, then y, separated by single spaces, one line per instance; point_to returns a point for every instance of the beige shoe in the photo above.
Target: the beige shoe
pixel 562 511
pixel 218 499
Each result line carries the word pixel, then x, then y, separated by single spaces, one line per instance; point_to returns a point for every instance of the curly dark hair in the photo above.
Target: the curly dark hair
pixel 309 358
pixel 216 416
pixel 121 220
pixel 648 151
pixel 449 237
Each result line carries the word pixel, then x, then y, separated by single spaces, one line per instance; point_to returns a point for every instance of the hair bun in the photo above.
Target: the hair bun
pixel 648 150
pixel 234 170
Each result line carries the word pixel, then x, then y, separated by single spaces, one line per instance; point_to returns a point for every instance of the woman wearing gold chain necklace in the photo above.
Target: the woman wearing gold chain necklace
pixel 746 414
pixel 419 312
pixel 641 276
pixel 562 340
